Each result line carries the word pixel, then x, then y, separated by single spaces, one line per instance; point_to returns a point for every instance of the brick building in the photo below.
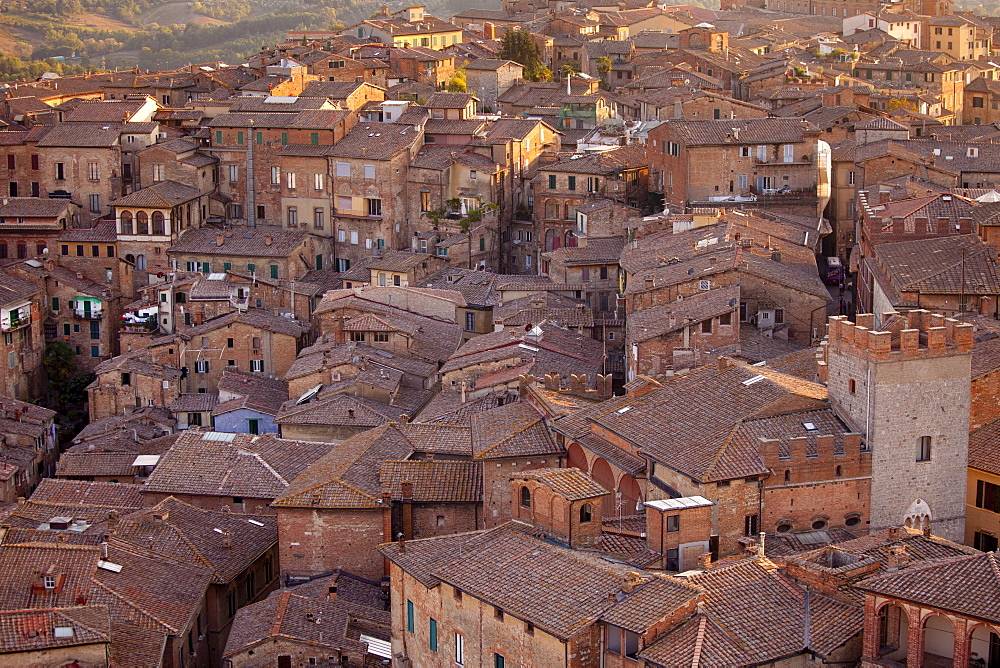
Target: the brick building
pixel 21 325
pixel 130 381
pixel 559 188
pixel 251 341
pixel 369 182
pixel 778 162
pixel 30 225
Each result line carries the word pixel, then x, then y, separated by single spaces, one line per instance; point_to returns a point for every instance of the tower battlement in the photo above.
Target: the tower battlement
pixel 914 334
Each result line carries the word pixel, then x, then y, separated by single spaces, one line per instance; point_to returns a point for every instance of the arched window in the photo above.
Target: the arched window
pixel 158 223
pixel 788 476
pixel 130 258
pixel 140 263
pixel 585 513
pixel 525 497
pixel 840 472
pixel 551 209
pixel 126 222
pixel 141 223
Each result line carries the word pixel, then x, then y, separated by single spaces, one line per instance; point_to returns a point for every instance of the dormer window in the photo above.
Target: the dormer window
pixel 49 581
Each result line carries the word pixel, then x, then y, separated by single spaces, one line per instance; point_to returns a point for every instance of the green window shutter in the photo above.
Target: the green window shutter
pixel 314 138
pixel 55 303
pixel 239 137
pixel 284 139
pixel 218 136
pixel 409 616
pixel 552 181
pixel 227 266
pixel 482 243
pixel 319 261
pixel 572 183
pixel 260 137
pixel 66 329
pixel 499 661
pixel 251 268
pixel 206 267
pixel 274 271
pixel 434 634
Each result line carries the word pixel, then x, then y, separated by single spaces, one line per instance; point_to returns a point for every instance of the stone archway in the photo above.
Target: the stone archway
pixel 631 494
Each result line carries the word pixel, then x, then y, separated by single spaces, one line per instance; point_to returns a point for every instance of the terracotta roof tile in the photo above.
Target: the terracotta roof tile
pixel 434 481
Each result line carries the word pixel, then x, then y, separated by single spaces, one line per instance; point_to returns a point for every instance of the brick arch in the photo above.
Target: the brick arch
pixel 603 474
pixel 631 493
pixel 936 639
pixel 577 457
pixel 981 628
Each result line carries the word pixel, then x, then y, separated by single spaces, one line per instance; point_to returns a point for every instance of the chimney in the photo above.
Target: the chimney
pixel 402 543
pixel 895 557
pixel 220 239
pixel 407 488
pixel 268 240
pixel 112 521
pixel 760 545
pixel 706 560
pixel 227 539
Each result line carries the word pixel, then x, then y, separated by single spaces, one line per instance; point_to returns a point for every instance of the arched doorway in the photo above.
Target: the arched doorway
pixel 893 633
pixel 984 645
pixel 939 641
pixel 577 458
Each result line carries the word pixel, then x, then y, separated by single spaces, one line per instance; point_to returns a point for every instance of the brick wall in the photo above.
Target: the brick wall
pixel 319 540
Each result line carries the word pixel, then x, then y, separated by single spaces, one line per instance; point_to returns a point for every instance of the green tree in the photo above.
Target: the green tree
pixel 517 45
pixel 60 368
pixel 603 65
pixel 457 83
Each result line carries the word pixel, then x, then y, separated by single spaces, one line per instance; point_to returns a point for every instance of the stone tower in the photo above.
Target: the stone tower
pixel 905 386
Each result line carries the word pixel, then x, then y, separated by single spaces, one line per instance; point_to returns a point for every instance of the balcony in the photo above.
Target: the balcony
pixel 15 323
pixel 800 162
pixel 88 314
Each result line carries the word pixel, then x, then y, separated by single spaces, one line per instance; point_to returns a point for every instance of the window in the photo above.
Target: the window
pixel 552 181
pixel 290 180
pixel 313 138
pixel 750 525
pixel 158 173
pixel 201 366
pixel 319 181
pixel 529 628
pixel 234 173
pixel 318 219
pixel 425 201
pixel 239 137
pixel 788 153
pixel 95 203
pixel 380 337
pixel 726 319
pixel 257 366
pixel 409 615
pixel 95 328
pixel 370 172
pixel 374 207
pixel 988 496
pixel 985 542
pixel 586 513
pixel 49 581
pixel 498 661
pixel 779 316
pixel 293 216
pixel 259 138
pixel 924 449
pixel 344 169
pixel 745 151
pixel 819 525
pixel 525 497
pixel 275 176
pixel 459 649
pixel 95 351
pixel 470 321
pixel 93 171
pixel 706 327
pixel 433 633
pixel 571 182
